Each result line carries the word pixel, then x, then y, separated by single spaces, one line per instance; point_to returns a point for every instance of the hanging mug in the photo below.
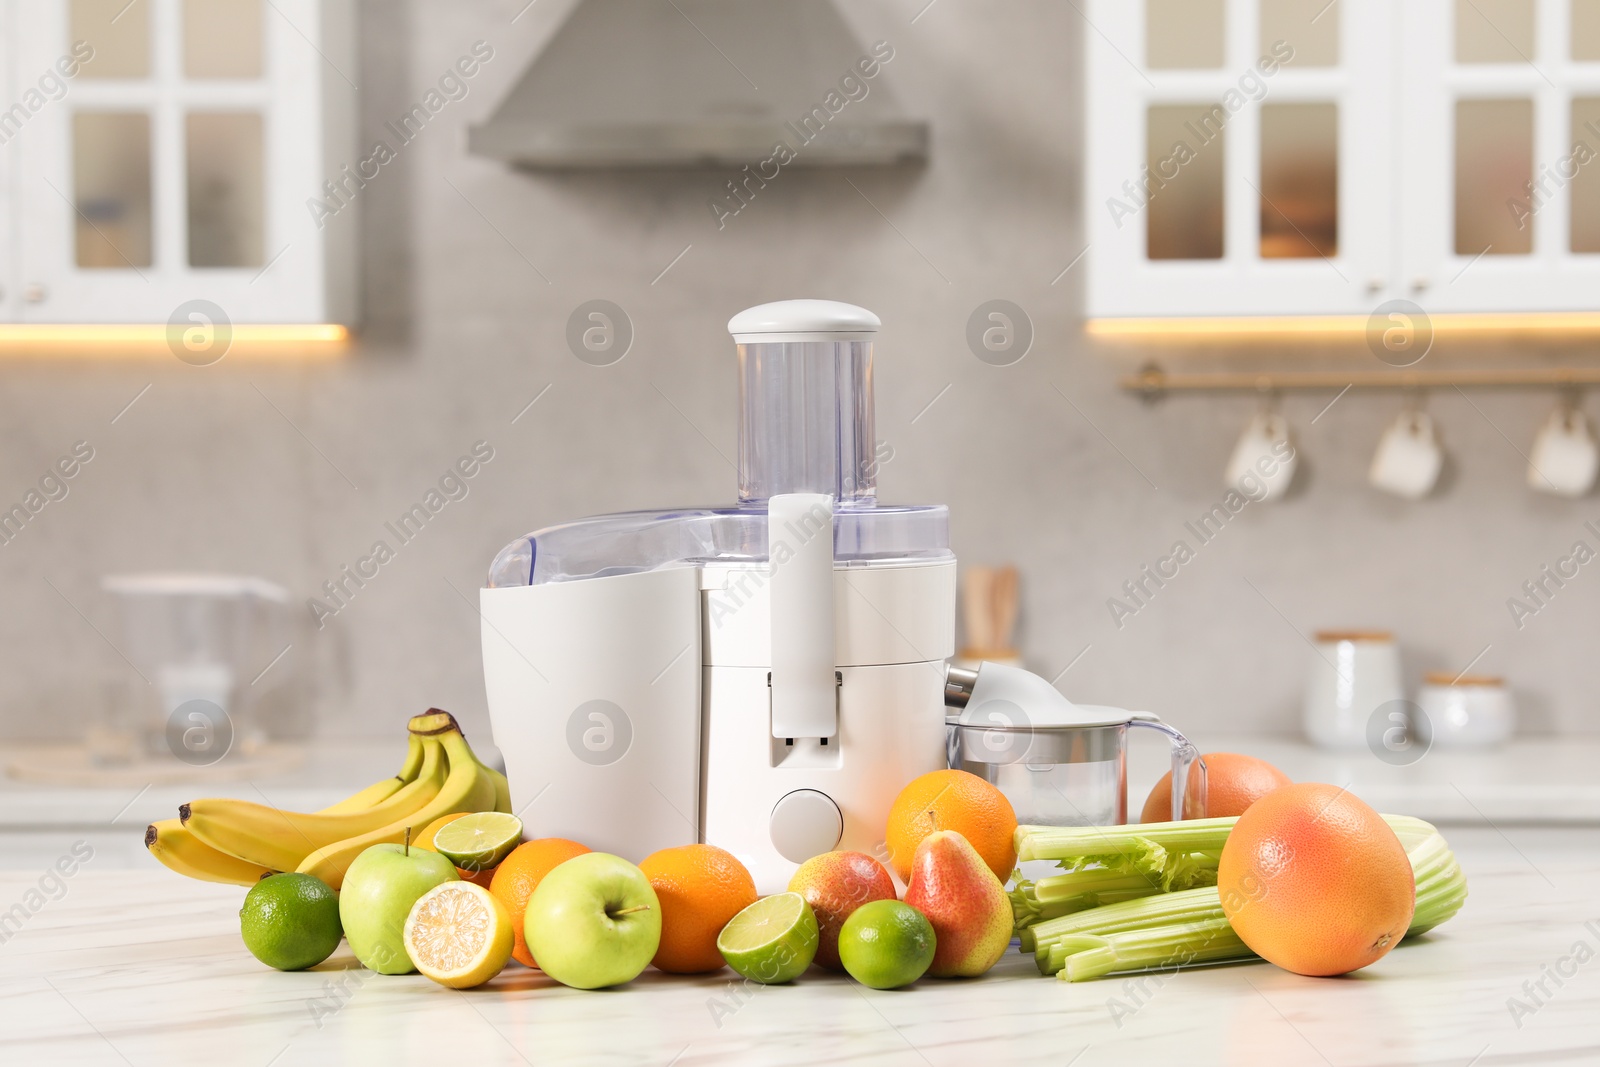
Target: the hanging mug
pixel 1409 457
pixel 1263 462
pixel 1565 457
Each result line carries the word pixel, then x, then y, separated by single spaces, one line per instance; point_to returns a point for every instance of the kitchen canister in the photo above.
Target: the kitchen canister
pixel 1353 674
pixel 1469 711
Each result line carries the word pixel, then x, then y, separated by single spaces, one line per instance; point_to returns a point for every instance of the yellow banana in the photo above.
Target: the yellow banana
pixel 437 721
pixel 281 839
pixel 381 791
pixel 177 848
pixel 502 790
pixel 468 788
pixel 434 722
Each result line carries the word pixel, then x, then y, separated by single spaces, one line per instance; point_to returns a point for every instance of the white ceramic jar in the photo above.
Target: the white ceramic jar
pixel 1470 711
pixel 1353 674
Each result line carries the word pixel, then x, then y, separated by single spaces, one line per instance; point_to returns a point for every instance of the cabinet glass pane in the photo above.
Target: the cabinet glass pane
pixel 1299 180
pixel 111 188
pixel 119 33
pixel 1494 31
pixel 1183 34
pixel 1494 165
pixel 1586 30
pixel 1586 183
pixel 1310 27
pixel 223 150
pixel 1184 150
pixel 222 38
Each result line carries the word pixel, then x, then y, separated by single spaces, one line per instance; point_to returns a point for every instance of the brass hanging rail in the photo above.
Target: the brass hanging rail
pixel 1151 381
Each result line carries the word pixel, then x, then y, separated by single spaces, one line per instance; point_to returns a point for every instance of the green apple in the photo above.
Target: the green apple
pixel 593 921
pixel 379 889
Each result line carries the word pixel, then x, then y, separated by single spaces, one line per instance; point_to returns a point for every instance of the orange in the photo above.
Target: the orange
pixel 519 874
pixel 425 840
pixel 953 800
pixel 1315 881
pixel 700 887
pixel 1233 783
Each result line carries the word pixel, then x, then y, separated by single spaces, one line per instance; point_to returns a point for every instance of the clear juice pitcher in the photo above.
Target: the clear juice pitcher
pixel 1059 763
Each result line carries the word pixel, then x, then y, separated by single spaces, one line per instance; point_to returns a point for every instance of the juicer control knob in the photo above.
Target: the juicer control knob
pixel 805 823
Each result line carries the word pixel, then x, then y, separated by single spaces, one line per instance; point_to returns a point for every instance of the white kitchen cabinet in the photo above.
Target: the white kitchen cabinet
pixel 160 152
pixel 1473 134
pixel 1307 157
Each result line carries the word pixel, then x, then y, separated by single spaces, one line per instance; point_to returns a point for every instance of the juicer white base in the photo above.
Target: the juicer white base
pixel 634 714
pixel 891 729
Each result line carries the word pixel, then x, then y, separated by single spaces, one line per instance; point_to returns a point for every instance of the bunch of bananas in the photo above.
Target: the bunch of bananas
pixel 227 840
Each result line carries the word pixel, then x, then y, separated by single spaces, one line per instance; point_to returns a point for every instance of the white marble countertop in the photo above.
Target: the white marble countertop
pixel 145 968
pixel 1530 781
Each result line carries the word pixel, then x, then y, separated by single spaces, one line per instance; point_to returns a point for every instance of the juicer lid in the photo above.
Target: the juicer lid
pixel 1004 698
pixel 803 320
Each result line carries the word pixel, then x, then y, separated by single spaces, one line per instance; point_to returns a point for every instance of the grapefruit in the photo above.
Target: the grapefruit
pixel 1314 880
pixel 1233 783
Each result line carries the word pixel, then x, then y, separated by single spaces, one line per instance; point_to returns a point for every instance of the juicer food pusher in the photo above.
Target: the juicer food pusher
pixel 764 677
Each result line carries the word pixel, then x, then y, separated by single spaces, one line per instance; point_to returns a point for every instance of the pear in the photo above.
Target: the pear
pixel 963 900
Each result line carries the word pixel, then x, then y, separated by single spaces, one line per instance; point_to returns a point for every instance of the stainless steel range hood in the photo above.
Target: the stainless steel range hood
pixel 685 83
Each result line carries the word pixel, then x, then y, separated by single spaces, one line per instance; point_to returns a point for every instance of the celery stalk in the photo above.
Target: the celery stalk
pixel 1140 950
pixel 1161 909
pixel 1149 857
pixel 1087 884
pixel 1074 842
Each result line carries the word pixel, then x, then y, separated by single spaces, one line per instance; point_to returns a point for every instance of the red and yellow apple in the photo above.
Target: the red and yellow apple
pixel 836 884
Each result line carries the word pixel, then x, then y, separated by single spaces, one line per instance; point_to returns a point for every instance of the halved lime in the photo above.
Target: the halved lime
pixel 773 940
pixel 479 841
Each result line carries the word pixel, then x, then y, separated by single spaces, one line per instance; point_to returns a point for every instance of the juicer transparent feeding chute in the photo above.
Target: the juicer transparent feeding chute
pixel 805 426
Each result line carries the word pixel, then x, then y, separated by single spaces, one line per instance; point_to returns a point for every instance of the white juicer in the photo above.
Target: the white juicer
pixel 764 677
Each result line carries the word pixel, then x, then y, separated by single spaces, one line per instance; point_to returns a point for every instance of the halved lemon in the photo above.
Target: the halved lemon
pixel 459 935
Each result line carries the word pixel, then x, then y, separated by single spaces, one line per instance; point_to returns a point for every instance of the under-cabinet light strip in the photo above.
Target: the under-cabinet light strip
pixel 1154 381
pixel 1232 328
pixel 100 340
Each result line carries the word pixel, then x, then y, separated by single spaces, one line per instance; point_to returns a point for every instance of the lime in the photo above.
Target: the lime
pixel 478 841
pixel 290 921
pixel 886 944
pixel 459 934
pixel 773 940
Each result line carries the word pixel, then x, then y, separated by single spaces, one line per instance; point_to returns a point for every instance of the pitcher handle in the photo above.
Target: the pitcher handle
pixel 1188 769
